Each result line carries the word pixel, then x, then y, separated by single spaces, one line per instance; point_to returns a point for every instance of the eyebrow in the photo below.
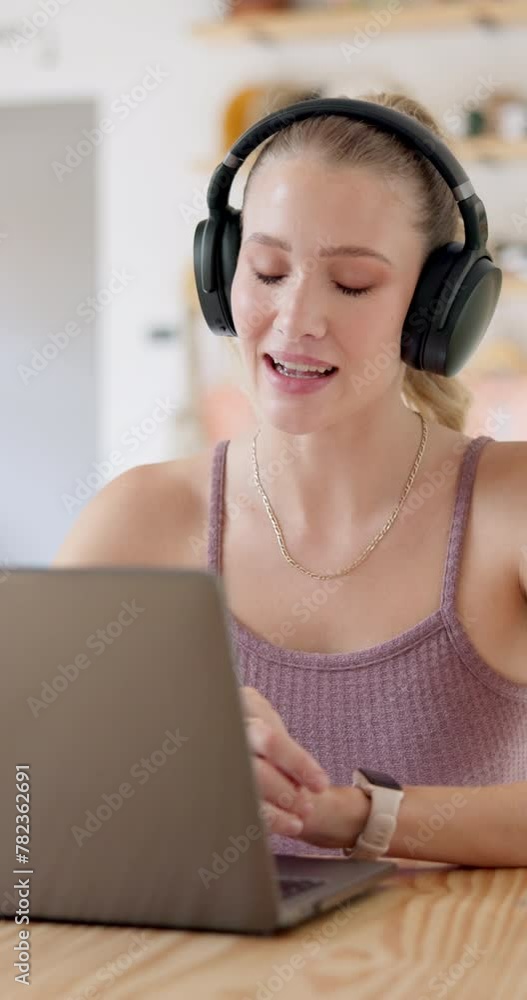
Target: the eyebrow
pixel 340 251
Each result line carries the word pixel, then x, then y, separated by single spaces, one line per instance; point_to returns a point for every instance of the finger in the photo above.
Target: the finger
pixel 277 746
pixel 273 783
pixel 257 734
pixel 297 762
pixel 254 704
pixel 275 788
pixel 278 821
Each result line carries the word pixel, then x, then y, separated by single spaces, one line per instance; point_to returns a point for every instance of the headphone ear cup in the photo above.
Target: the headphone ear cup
pixel 435 342
pixel 216 247
pixel 428 301
pixel 448 350
pixel 228 251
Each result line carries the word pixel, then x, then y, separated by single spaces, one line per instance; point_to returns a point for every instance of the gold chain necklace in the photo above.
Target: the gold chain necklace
pixel 375 541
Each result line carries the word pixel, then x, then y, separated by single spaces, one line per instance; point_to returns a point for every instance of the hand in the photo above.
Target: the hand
pixel 285 772
pixel 338 816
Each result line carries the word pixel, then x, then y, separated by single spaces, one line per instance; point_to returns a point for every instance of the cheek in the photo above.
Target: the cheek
pixel 252 306
pixel 370 329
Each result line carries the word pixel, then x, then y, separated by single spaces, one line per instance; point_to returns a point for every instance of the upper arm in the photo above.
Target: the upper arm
pixel 523 570
pixel 505 494
pixel 517 503
pixel 127 522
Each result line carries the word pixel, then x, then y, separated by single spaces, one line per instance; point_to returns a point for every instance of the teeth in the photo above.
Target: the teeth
pixel 301 368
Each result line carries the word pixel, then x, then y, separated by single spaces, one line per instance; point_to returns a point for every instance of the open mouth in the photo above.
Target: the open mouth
pixel 297 374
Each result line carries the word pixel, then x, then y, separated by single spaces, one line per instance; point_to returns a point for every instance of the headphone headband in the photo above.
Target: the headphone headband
pixel 407 129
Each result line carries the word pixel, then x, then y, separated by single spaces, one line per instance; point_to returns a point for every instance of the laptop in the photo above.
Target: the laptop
pixel 126 781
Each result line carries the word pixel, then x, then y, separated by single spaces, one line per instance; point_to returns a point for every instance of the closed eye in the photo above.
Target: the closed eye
pixel 273 279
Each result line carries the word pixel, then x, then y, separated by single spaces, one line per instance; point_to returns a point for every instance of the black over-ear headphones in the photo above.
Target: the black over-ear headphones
pixel 459 285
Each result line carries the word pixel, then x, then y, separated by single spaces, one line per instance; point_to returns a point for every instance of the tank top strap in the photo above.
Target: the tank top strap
pixel 463 497
pixel 216 507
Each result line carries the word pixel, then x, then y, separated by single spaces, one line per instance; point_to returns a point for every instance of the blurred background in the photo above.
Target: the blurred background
pixel 112 116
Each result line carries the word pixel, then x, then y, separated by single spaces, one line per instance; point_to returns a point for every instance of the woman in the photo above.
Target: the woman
pixel 371 552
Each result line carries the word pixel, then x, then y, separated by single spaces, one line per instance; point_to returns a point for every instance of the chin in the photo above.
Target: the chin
pixel 292 423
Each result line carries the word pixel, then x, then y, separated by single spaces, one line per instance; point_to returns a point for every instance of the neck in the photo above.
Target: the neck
pixel 350 476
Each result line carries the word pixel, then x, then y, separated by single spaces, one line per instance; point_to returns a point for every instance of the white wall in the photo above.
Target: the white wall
pixel 145 176
pixel 47 379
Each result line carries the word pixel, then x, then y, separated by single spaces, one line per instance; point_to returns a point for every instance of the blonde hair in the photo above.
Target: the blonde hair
pixel 435 215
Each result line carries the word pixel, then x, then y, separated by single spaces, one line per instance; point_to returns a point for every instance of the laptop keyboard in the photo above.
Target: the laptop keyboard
pixel 292 886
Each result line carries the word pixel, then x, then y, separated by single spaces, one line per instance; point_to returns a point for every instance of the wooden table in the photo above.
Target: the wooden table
pixel 429 930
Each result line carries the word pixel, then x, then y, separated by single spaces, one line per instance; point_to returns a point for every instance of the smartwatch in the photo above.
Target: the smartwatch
pixel 386 795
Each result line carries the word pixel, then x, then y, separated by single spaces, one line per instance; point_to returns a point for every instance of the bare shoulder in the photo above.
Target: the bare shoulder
pixel 142 517
pixel 502 487
pixel 512 455
pixel 502 476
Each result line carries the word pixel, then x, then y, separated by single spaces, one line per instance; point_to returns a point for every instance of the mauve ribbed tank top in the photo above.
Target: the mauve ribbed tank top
pixel 423 705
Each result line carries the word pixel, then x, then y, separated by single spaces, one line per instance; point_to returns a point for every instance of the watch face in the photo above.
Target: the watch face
pixel 379 778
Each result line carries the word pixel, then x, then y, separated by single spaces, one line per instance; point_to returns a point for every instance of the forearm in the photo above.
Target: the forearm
pixel 485 827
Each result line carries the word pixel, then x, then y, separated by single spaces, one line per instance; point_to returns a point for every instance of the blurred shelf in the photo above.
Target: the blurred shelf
pixel 299 24
pixel 205 165
pixel 498 356
pixel 483 147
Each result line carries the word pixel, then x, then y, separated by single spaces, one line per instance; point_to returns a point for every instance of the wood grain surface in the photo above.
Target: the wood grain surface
pixel 429 930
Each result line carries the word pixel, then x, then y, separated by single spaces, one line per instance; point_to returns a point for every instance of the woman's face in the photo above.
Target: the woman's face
pixel 302 287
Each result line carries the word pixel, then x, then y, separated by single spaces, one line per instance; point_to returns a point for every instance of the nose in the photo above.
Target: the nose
pixel 301 311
